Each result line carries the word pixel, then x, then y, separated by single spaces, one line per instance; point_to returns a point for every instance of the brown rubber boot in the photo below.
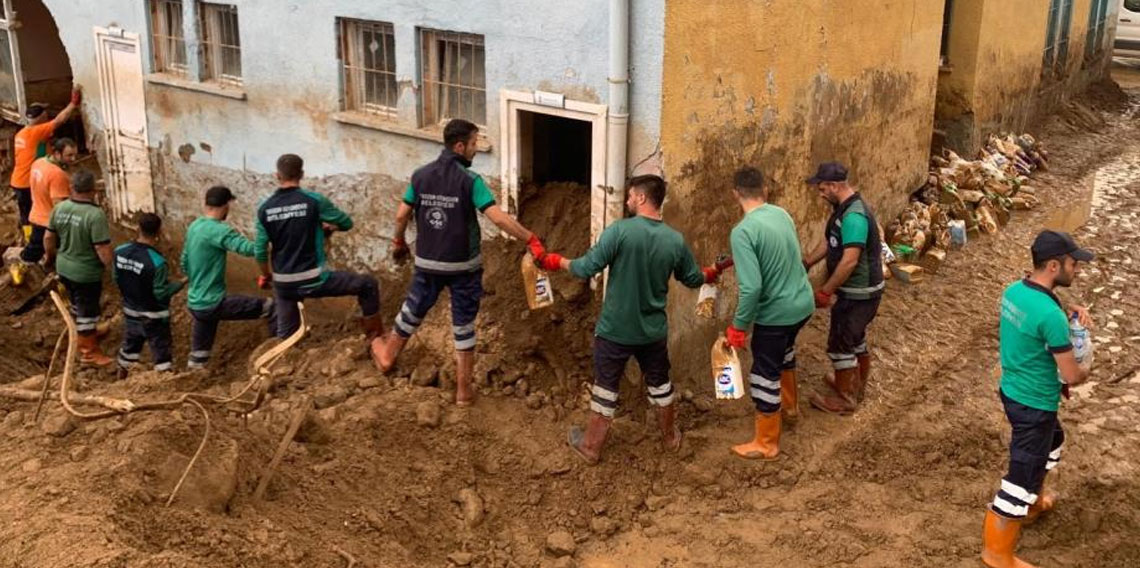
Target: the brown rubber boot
pixel 1046 500
pixel 671 435
pixel 999 539
pixel 90 353
pixel 842 401
pixel 588 443
pixel 385 349
pixel 864 375
pixel 464 370
pixel 373 326
pixel 766 444
pixel 789 396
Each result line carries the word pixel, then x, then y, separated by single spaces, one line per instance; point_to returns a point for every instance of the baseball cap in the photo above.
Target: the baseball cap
pixel 1053 244
pixel 829 171
pixel 35 110
pixel 218 196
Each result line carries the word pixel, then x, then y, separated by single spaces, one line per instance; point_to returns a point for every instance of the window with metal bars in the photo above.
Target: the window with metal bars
pixel 454 77
pixel 1057 34
pixel 221 43
pixel 368 66
pixel 944 49
pixel 1098 22
pixel 168 46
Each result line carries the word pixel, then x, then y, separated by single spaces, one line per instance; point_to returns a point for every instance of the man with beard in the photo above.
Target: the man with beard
pixel 208 240
pixel 50 185
pixel 855 278
pixel 26 148
pixel 642 253
pixel 1038 366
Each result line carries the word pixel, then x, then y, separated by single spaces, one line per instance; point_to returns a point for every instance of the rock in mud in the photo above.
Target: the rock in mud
pixel 58 425
pixel 461 558
pixel 368 383
pixel 429 414
pixel 473 510
pixel 425 376
pixel 329 395
pixel 31 466
pixel 534 401
pixel 561 543
pixel 212 481
pixel 13 421
pixel 80 453
pixel 603 526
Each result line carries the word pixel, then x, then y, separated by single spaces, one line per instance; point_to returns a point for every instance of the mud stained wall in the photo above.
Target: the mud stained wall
pixel 994 79
pixel 783 85
pixel 292 87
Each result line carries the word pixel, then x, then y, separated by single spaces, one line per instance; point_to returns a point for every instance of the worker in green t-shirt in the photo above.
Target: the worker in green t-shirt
pixel 853 289
pixel 642 253
pixel 775 303
pixel 208 239
pixel 1038 365
pixel 78 244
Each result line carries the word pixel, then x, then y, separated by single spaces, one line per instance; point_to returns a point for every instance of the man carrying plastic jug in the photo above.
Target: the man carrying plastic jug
pixel 853 252
pixel 775 302
pixel 444 197
pixel 642 253
pixel 1038 365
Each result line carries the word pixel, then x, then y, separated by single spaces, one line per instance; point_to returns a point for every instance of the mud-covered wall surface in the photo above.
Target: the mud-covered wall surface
pixel 782 86
pixel 994 80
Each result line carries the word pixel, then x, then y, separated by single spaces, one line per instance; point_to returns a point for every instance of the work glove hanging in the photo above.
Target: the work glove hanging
pixel 822 299
pixel 535 246
pixel 712 273
pixel 400 251
pixel 737 338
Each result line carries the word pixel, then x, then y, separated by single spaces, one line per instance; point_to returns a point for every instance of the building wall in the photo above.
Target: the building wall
pixel 783 85
pixel 291 79
pixel 994 81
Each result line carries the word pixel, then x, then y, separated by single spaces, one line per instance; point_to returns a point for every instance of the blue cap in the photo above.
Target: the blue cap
pixel 829 171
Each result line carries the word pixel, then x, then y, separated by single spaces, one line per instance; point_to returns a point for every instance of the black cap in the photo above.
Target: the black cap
pixel 829 171
pixel 35 110
pixel 218 196
pixel 1054 244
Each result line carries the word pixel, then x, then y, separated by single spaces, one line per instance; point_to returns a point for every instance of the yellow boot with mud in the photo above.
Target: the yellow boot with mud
pixel 90 353
pixel 671 435
pixel 464 370
pixel 588 443
pixel 789 396
pixel 999 539
pixel 766 443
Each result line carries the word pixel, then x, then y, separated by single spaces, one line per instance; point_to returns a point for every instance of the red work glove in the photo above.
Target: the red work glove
pixel 76 96
pixel 735 337
pixel 711 274
pixel 822 299
pixel 551 262
pixel 400 249
pixel 723 263
pixel 535 246
pixel 264 282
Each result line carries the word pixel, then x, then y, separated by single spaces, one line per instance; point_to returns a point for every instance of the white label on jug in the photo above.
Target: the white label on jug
pixel 542 287
pixel 724 380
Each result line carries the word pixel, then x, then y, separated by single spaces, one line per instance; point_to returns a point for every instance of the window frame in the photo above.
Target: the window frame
pixel 947 24
pixel 163 38
pixel 433 103
pixel 1057 36
pixel 213 20
pixel 1098 24
pixel 351 53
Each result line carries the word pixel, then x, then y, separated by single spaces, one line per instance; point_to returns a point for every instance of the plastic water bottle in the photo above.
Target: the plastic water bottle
pixel 1082 343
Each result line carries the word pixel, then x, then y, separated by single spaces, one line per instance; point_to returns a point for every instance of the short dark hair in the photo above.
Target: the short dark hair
pixel 749 182
pixel 219 196
pixel 35 110
pixel 1041 263
pixel 149 224
pixel 458 130
pixel 83 181
pixel 60 144
pixel 290 167
pixel 652 185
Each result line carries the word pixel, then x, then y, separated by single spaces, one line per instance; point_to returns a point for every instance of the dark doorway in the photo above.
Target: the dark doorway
pixel 554 149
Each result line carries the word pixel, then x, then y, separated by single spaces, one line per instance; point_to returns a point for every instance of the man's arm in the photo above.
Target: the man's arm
pixel 332 215
pixel 236 243
pixel 65 114
pixel 817 254
pixel 164 288
pixel 749 280
pixel 1071 372
pixel 51 244
pixel 261 249
pixel 843 271
pixel 597 258
pixel 403 218
pixel 507 223
pixel 104 251
pixel 687 271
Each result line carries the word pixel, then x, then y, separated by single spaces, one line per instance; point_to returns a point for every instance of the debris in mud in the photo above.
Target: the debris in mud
pixel 561 543
pixel 429 414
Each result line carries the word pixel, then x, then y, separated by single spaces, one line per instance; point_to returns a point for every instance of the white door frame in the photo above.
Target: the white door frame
pixel 118 193
pixel 510 104
pixel 8 25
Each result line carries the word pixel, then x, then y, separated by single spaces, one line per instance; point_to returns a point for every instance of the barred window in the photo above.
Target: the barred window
pixel 1057 33
pixel 454 77
pixel 368 60
pixel 167 43
pixel 221 43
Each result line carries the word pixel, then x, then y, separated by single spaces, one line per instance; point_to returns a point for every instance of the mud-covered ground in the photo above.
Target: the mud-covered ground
pixel 387 472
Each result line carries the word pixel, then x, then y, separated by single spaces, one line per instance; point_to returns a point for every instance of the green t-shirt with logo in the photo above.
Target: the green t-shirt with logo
pixel 204 260
pixel 79 225
pixel 1033 329
pixel 774 286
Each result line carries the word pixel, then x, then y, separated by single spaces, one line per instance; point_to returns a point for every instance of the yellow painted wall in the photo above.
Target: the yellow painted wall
pixel 995 80
pixel 782 85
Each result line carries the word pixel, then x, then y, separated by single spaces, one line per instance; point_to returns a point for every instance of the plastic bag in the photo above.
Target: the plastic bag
pixel 957 233
pixel 706 301
pixel 728 376
pixel 536 284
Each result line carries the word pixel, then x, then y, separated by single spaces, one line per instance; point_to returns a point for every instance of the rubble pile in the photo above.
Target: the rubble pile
pixel 963 197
